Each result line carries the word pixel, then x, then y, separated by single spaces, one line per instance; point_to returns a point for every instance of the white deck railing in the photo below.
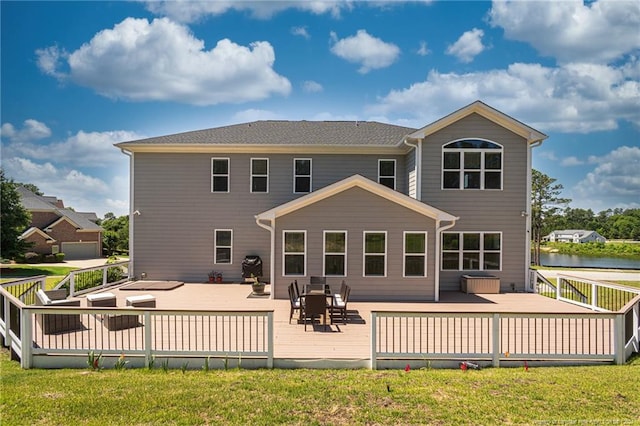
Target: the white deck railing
pixel 86 280
pixel 496 337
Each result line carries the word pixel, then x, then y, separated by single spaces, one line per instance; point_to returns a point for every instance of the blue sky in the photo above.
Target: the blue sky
pixel 77 77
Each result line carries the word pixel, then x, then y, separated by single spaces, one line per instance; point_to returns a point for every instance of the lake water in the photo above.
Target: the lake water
pixel 574 261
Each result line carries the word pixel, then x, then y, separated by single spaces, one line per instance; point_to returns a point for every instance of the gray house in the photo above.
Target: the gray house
pixel 579 236
pixel 398 213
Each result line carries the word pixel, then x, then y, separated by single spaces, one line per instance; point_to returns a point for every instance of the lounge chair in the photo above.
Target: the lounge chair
pixel 57 323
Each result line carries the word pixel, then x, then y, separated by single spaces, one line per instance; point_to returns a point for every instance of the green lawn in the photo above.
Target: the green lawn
pixel 54 273
pixel 567 395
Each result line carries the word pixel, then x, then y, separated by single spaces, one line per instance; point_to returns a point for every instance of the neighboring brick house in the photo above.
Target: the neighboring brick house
pixel 55 229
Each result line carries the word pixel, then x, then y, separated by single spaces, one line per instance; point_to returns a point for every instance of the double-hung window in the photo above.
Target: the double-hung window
pixel 387 173
pixel 472 164
pixel 222 246
pixel 219 175
pixel 471 251
pixel 415 254
pixel 294 253
pixel 259 175
pixel 301 175
pixel 335 253
pixel 375 254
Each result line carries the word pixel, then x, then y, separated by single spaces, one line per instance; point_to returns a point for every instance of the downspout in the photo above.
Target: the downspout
pixel 272 260
pixel 418 164
pixel 527 248
pixel 439 230
pixel 131 215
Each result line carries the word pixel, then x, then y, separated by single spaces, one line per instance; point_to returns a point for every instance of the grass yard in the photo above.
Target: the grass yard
pixel 54 273
pixel 567 395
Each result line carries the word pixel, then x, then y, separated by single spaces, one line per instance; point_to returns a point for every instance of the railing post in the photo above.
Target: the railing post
pixel 147 337
pixel 558 285
pixel 594 296
pixel 26 343
pixel 374 339
pixel 7 322
pixel 495 326
pixel 104 276
pixel 270 339
pixel 618 339
pixel 72 284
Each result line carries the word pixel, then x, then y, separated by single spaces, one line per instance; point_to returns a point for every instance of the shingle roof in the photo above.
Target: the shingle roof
pixel 343 133
pixel 32 201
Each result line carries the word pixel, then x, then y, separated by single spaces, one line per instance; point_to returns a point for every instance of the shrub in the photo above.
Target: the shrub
pixel 59 257
pixel 32 257
pixel 49 258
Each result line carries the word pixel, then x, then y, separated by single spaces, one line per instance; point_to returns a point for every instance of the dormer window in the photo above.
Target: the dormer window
pixel 472 164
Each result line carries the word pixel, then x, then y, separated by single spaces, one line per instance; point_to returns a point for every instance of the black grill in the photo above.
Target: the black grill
pixel 251 265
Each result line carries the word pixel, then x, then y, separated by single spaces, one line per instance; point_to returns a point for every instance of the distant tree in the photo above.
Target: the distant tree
pixel 15 219
pixel 545 203
pixel 115 237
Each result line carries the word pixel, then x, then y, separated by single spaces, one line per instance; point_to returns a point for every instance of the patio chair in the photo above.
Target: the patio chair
pixel 297 289
pixel 343 288
pixel 319 283
pixel 293 300
pixel 340 303
pixel 57 323
pixel 314 305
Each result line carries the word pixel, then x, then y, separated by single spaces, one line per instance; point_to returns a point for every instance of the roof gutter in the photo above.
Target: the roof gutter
pixel 439 231
pixel 272 262
pixel 132 217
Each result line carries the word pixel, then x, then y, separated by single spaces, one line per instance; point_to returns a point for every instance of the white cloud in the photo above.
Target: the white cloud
pixel 79 190
pixel 82 149
pixel 423 50
pixel 571 161
pixel 310 86
pixel 190 11
pixel 572 31
pixel 548 155
pixel 370 52
pixel 615 179
pixel 573 98
pixel 300 31
pixel 468 46
pixel 32 130
pixel 163 61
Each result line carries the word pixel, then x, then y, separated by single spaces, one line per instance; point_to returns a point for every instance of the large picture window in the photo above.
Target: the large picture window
pixel 471 251
pixel 222 246
pixel 259 175
pixel 375 254
pixel 472 164
pixel 219 175
pixel 387 173
pixel 294 253
pixel 335 253
pixel 302 175
pixel 415 254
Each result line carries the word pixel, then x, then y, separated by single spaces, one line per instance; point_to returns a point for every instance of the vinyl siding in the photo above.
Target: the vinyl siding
pixel 173 235
pixel 483 210
pixel 357 210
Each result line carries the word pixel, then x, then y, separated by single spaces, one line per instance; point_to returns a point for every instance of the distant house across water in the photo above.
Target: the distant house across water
pixel 575 236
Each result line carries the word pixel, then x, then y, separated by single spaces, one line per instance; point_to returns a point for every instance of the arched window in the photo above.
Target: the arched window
pixel 472 164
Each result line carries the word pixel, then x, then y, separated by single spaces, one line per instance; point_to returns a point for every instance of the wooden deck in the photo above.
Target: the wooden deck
pixel 337 342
